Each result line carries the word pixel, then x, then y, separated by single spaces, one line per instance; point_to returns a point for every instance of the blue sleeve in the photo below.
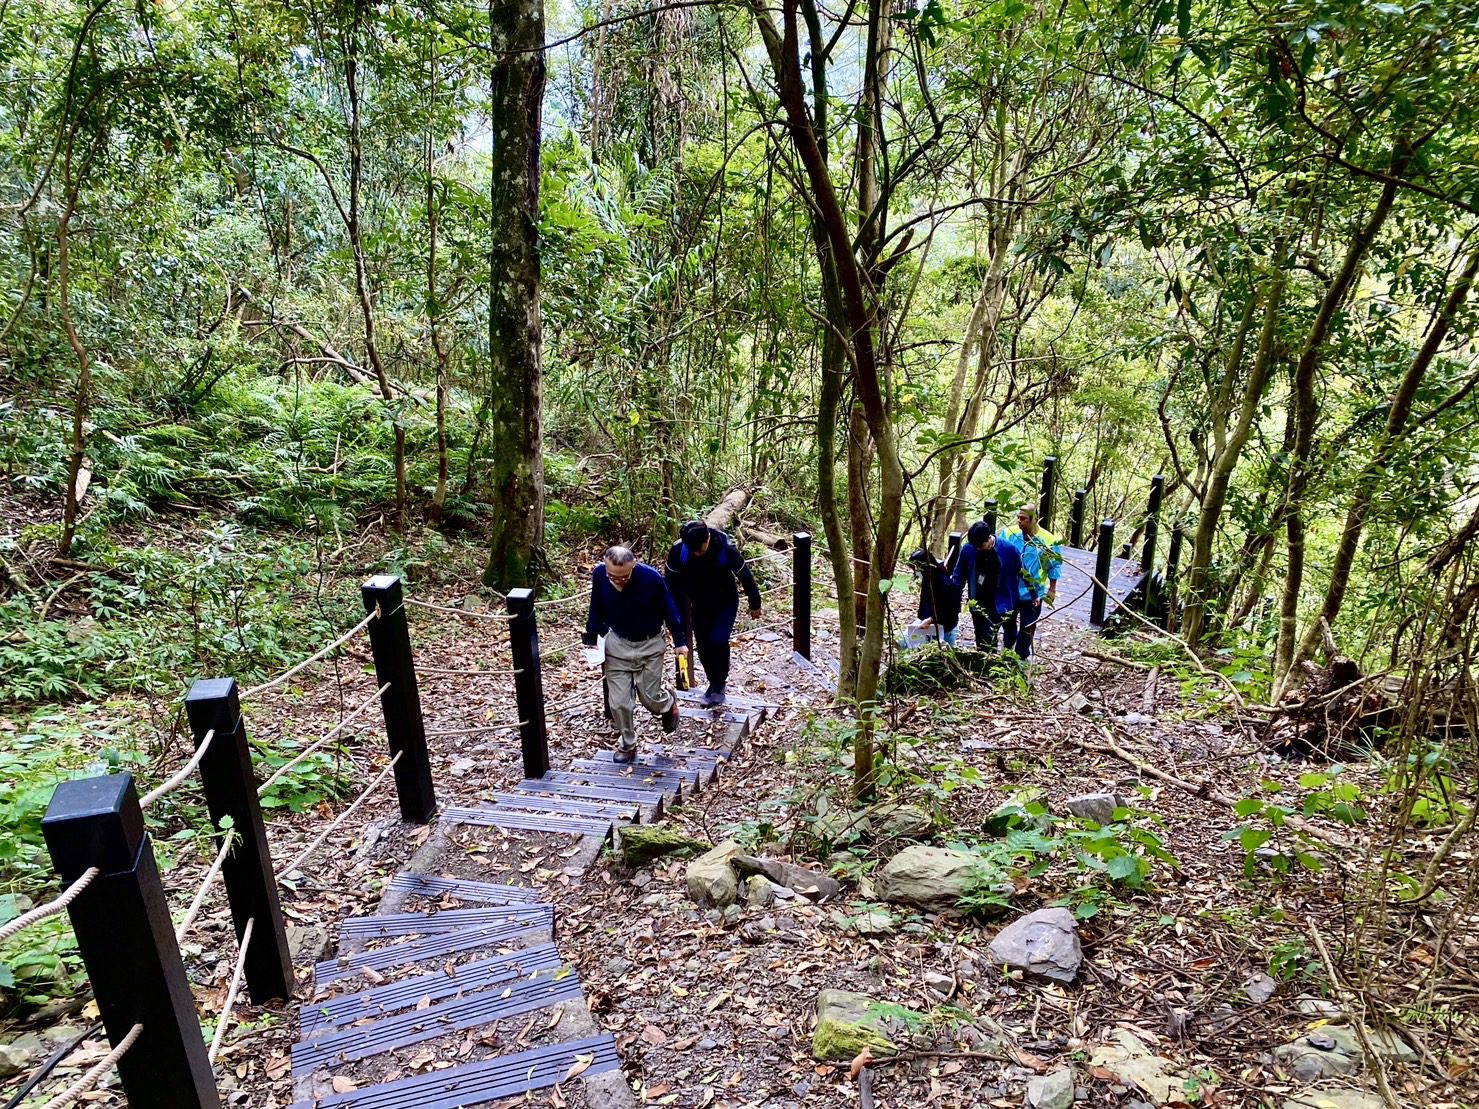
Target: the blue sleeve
pixel 595 625
pixel 674 621
pixel 1055 564
pixel 741 570
pixel 964 576
pixel 676 581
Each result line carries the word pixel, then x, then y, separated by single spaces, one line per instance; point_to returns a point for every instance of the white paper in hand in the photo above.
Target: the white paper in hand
pixel 595 656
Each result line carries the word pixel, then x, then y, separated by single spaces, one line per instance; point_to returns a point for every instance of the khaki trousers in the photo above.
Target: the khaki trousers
pixel 633 673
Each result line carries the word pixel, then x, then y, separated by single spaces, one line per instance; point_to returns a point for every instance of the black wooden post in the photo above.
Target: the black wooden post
pixel 1153 522
pixel 1173 560
pixel 990 516
pixel 801 595
pixel 128 943
pixel 1103 567
pixel 1076 521
pixel 952 552
pixel 528 684
pixel 390 643
pixel 231 796
pixel 1045 498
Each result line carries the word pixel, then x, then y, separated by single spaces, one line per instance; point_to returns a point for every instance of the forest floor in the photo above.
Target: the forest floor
pixel 1211 962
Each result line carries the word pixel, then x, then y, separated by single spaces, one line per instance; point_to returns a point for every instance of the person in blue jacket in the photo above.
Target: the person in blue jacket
pixel 1041 553
pixel 977 572
pixel 939 596
pixel 630 603
pixel 702 569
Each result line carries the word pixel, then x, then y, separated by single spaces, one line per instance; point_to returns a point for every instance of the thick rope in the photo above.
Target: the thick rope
pixel 72 1093
pixel 343 639
pixel 223 1022
pixel 476 731
pixel 340 819
pixel 210 877
pixel 184 772
pixel 502 616
pixel 452 670
pixel 553 601
pixel 563 649
pixel 777 588
pixel 51 908
pixel 321 740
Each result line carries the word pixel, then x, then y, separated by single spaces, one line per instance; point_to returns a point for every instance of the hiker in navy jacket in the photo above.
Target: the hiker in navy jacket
pixel 977 572
pixel 702 569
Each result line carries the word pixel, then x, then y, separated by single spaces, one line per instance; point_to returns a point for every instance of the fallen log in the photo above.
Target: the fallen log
pixel 724 514
pixel 772 539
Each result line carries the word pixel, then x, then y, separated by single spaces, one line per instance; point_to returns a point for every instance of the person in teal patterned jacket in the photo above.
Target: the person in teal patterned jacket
pixel 1042 563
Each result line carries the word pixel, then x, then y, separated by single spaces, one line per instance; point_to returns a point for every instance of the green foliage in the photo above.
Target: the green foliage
pixel 1266 833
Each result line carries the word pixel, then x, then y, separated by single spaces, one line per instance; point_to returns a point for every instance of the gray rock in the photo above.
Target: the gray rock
pixel 810 884
pixel 308 943
pixel 891 820
pixel 1098 807
pixel 1259 987
pixel 731 915
pixel 21 1055
pixel 617 966
pixel 711 878
pixel 942 984
pixel 1342 1098
pixel 759 891
pixel 1051 1091
pixel 1042 944
pixel 931 878
pixel 462 767
pixel 59 1034
pixel 847 1023
pixel 1136 719
pixel 1333 1050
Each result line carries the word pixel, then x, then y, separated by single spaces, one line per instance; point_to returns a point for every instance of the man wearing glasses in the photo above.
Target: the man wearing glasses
pixel 630 603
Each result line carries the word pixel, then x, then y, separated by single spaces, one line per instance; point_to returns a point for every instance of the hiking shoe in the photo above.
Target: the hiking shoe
pixel 624 755
pixel 670 718
pixel 714 695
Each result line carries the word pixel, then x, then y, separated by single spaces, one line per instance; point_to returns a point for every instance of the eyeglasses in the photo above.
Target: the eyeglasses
pixel 620 579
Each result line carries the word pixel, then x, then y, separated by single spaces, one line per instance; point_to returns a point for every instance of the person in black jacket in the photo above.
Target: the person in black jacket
pixel 939 597
pixel 702 569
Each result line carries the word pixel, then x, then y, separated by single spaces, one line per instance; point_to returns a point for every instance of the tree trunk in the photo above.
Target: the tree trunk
pixel 82 402
pixel 515 351
pixel 1226 460
pixel 1376 468
pixel 354 230
pixel 1306 414
pixel 433 300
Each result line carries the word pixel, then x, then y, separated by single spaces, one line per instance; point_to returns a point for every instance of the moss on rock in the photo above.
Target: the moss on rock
pixel 845 1026
pixel 641 843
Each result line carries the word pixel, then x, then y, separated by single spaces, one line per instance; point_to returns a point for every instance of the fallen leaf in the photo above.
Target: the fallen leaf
pixel 343 1085
pixel 582 1062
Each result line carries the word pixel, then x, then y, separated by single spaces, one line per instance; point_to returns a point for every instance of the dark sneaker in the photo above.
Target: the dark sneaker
pixel 625 755
pixel 714 695
pixel 670 718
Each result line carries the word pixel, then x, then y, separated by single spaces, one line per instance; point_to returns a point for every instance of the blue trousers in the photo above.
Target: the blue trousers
pixel 1018 626
pixel 711 632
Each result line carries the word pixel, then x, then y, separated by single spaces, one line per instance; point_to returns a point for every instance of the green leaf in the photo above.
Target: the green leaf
pixel 1248 806
pixel 1124 867
pixel 1254 838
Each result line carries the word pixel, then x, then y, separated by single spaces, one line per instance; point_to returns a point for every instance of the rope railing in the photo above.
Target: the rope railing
pixel 510 672
pixel 311 659
pixel 209 880
pixel 174 781
pixel 555 601
pixel 547 651
pixel 51 908
pixel 318 840
pixel 83 1085
pixel 321 740
pixel 777 588
pixel 223 1022
pixel 479 730
pixel 502 617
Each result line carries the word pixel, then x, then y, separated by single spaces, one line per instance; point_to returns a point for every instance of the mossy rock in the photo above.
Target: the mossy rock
pixel 641 843
pixel 846 1023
